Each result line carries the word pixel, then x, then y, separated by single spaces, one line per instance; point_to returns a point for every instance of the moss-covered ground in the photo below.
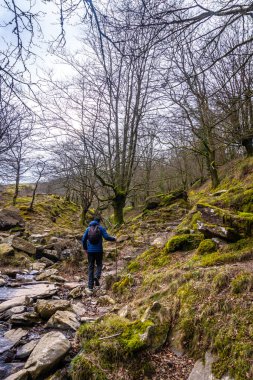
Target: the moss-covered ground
pixel 206 284
pixel 51 213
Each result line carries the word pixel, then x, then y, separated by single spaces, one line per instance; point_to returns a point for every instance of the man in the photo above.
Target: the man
pixel 92 241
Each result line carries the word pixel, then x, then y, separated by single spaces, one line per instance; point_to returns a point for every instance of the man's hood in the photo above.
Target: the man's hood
pixel 93 223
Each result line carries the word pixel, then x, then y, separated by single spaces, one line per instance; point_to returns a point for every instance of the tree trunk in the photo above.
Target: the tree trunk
pixel 213 170
pixel 14 200
pixel 248 145
pixel 85 209
pixel 118 204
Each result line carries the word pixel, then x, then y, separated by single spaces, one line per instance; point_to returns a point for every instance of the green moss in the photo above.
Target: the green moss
pixel 123 285
pixel 131 339
pixel 218 258
pixel 125 338
pixel 183 242
pixel 241 283
pixel 134 266
pixel 83 369
pixel 221 281
pixel 206 246
pixel 190 221
pixel 234 348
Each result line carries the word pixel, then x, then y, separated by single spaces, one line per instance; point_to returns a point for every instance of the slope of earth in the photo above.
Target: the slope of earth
pixel 51 214
pixel 186 286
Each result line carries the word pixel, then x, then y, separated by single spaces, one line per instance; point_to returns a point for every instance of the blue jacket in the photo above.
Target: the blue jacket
pixel 91 248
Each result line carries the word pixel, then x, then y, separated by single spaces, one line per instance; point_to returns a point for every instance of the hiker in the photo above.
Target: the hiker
pixel 92 241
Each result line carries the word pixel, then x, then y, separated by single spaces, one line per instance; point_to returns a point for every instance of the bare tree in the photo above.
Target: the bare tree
pixel 38 171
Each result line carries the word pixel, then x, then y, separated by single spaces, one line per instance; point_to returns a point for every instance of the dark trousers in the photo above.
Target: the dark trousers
pixel 94 257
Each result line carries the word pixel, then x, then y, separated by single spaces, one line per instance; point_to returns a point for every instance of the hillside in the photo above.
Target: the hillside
pixel 195 293
pixel 52 214
pixel 176 289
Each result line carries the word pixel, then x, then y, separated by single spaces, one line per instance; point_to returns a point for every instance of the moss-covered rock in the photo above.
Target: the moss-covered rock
pixel 212 230
pixel 123 285
pixel 114 338
pixel 206 246
pixel 240 223
pixel 161 200
pixel 183 242
pixel 162 319
pixel 82 368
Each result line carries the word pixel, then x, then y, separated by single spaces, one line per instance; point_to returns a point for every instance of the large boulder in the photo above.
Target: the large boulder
pixel 160 200
pixel 24 246
pixel 10 218
pixel 64 320
pixel 212 231
pixel 46 308
pixel 49 351
pixel 240 224
pixel 156 335
pixel 152 203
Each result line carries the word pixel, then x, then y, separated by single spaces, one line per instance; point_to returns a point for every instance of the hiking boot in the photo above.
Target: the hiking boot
pixel 96 281
pixel 89 291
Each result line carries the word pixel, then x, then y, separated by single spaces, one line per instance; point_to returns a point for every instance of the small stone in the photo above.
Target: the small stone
pixel 25 319
pixel 57 278
pixel 24 246
pixel 46 308
pixel 71 285
pixel 63 320
pixel 15 310
pixel 88 319
pixel 2 282
pixel 16 301
pixel 37 266
pixel 46 261
pixel 45 275
pixel 24 351
pixel 78 309
pixel 159 242
pixel 15 335
pixel 76 292
pixel 124 312
pixel 105 300
pixel 51 254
